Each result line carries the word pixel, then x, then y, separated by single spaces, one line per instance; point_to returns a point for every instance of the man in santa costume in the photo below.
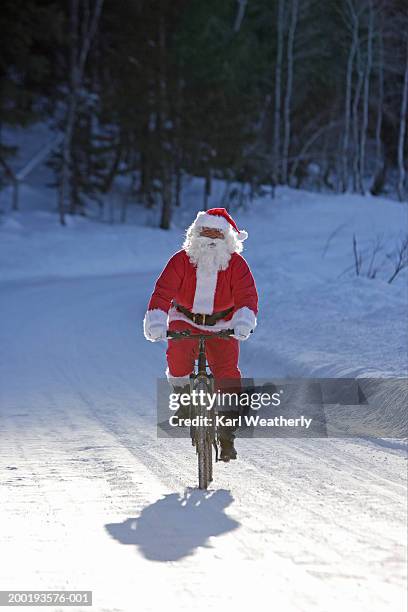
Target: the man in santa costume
pixel 207 286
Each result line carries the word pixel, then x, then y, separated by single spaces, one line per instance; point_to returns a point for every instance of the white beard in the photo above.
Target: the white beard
pixel 209 254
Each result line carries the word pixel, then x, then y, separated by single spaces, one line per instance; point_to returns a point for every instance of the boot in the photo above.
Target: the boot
pixel 228 450
pixel 226 437
pixel 183 412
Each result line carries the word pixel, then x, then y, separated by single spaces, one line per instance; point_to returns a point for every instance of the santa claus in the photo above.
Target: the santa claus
pixel 206 286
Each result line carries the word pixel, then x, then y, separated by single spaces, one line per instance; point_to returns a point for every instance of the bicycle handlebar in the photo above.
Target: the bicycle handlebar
pixel 181 335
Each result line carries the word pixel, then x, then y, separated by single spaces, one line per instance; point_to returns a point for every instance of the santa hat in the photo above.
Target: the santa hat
pixel 218 218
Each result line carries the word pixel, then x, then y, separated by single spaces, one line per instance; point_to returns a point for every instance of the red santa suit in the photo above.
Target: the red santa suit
pixel 205 291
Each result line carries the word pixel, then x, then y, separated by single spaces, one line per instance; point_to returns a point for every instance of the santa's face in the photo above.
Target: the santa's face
pixel 209 236
pixel 208 249
pixel 212 232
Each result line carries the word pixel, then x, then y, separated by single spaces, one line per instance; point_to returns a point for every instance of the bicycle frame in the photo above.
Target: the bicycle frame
pixel 203 437
pixel 201 360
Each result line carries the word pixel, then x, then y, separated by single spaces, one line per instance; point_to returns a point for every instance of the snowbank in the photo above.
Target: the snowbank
pixel 316 316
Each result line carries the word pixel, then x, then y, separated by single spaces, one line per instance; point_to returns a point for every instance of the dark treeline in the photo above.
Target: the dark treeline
pixel 254 92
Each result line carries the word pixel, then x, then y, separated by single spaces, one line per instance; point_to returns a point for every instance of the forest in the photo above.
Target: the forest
pixel 256 93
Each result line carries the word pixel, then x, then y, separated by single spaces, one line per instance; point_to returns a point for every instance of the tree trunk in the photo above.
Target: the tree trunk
pixel 166 204
pixel 356 127
pixel 240 14
pixel 16 195
pixel 366 95
pixel 379 156
pixel 289 87
pixel 66 158
pixel 178 142
pixel 164 145
pixel 110 176
pixel 278 93
pixel 146 168
pixel 178 186
pixel 207 188
pixel 76 77
pixel 347 110
pixel 73 185
pixel 380 178
pixel 402 130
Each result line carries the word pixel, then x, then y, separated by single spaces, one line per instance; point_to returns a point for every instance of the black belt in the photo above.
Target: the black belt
pixel 203 319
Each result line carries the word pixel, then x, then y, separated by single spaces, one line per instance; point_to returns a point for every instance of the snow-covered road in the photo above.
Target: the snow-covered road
pixel 92 500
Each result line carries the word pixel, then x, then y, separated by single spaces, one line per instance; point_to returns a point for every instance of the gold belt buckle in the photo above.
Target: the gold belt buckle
pixel 204 319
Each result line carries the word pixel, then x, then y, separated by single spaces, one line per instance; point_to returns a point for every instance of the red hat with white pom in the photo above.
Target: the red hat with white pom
pixel 219 218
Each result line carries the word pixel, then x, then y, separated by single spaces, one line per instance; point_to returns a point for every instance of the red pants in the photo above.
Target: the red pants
pixel 222 355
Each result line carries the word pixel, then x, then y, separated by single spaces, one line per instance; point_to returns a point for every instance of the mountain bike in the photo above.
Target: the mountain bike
pixel 204 435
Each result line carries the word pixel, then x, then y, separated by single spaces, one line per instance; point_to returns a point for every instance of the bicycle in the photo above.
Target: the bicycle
pixel 203 436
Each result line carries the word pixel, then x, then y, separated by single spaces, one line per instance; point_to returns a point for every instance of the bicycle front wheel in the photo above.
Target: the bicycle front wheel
pixel 204 442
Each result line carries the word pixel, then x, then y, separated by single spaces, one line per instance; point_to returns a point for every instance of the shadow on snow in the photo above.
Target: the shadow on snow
pixel 173 527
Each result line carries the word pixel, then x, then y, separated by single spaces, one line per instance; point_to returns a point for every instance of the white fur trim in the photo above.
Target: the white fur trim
pixel 175 315
pixel 206 283
pixel 177 381
pixel 153 318
pixel 216 221
pixel 244 316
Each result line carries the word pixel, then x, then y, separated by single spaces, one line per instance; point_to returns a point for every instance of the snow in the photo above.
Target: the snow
pixel 91 499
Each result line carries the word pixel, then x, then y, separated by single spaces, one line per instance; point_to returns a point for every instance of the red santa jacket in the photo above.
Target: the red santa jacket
pixel 206 292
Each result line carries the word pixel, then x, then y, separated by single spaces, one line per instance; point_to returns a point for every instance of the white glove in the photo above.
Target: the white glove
pixel 243 322
pixel 155 325
pixel 157 332
pixel 242 331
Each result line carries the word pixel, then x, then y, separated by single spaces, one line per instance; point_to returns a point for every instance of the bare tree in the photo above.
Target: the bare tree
pixel 373 267
pixel 316 134
pixel 12 177
pixel 289 88
pixel 348 95
pixel 165 152
pixel 358 259
pixel 240 14
pixel 178 146
pixel 366 94
pixel 356 124
pixel 79 54
pixel 402 131
pixel 278 91
pixel 207 188
pixel 379 157
pixel 400 259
